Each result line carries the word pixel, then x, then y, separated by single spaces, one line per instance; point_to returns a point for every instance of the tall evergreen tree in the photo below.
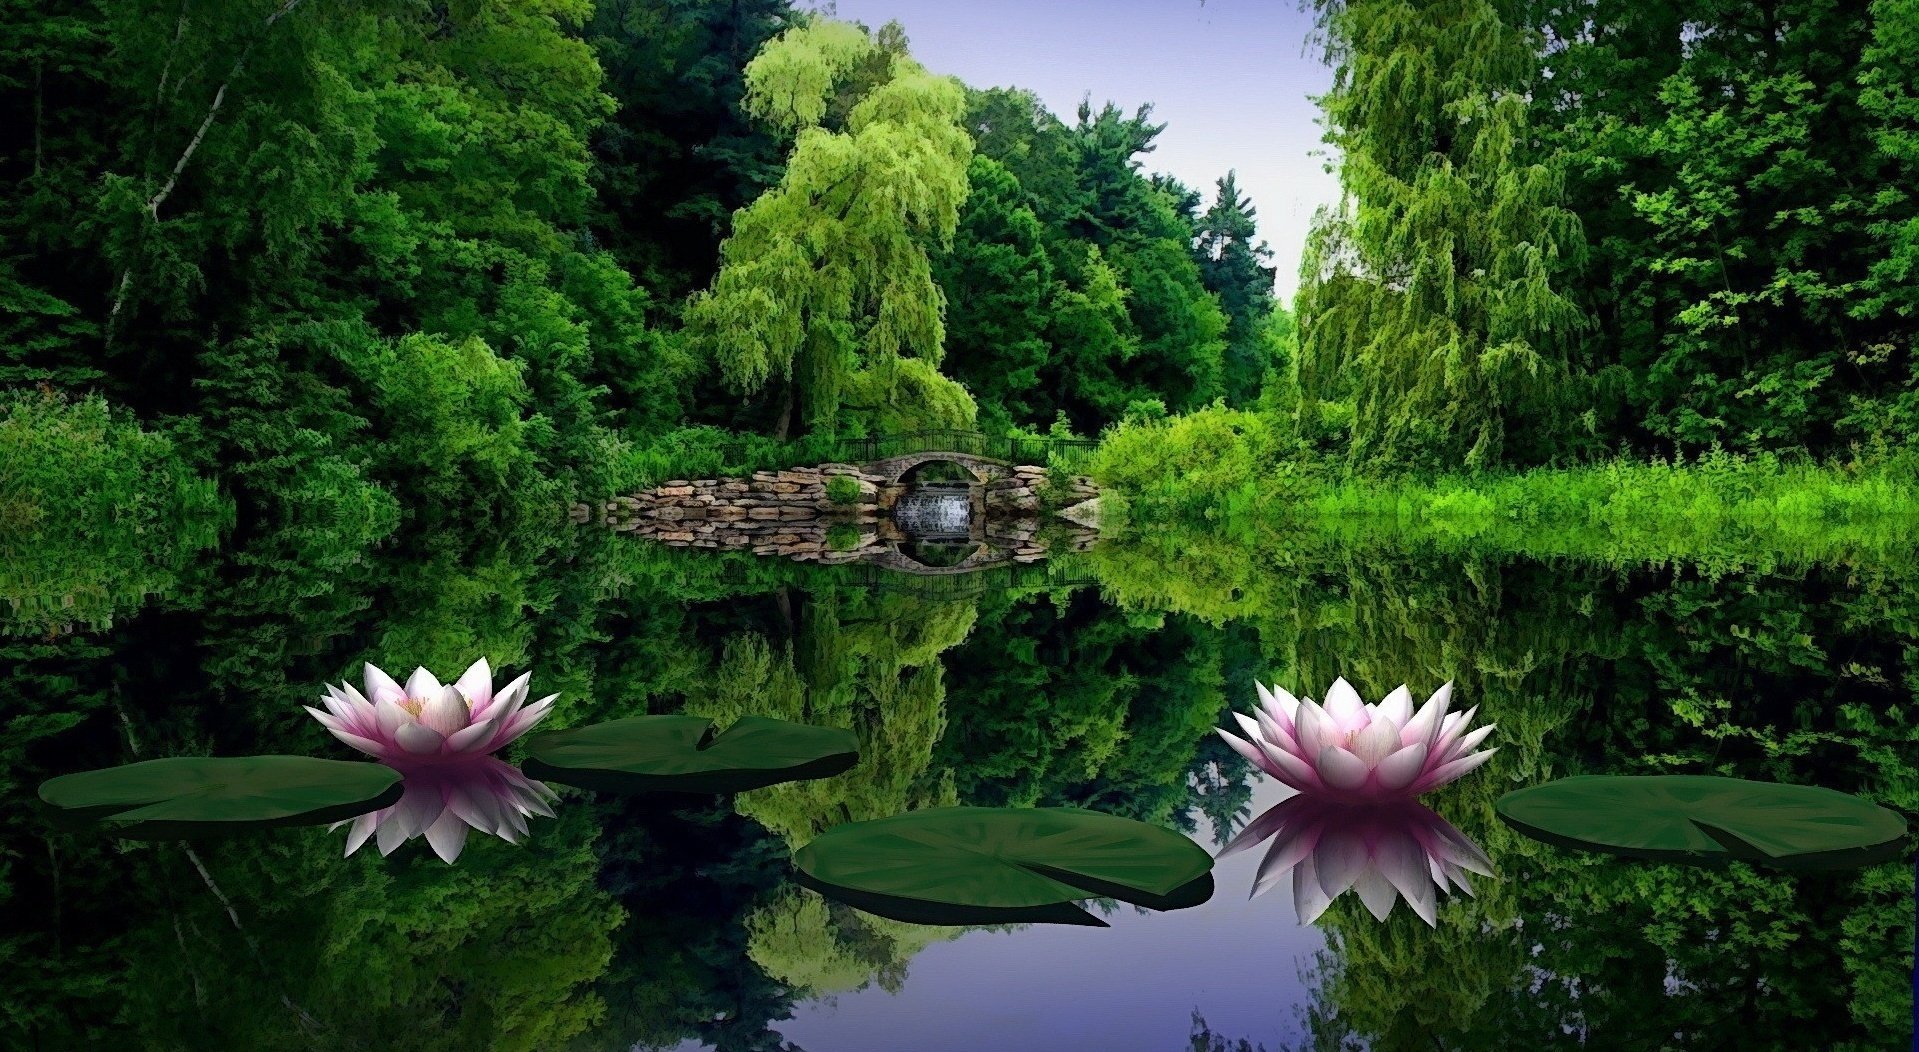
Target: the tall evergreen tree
pixel 1238 270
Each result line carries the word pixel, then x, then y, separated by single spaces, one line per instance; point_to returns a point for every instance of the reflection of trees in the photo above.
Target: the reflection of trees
pixel 1803 678
pixel 817 946
pixel 863 663
pixel 1071 701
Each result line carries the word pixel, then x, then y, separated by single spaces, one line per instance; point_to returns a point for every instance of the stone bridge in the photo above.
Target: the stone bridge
pixel 984 557
pixel 895 469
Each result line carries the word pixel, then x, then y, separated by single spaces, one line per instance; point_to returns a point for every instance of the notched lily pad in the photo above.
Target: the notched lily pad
pixel 189 796
pixel 685 754
pixel 1702 819
pixel 1004 865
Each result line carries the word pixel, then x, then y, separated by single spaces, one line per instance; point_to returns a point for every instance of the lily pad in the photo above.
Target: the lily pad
pixel 995 865
pixel 1702 819
pixel 684 754
pixel 195 795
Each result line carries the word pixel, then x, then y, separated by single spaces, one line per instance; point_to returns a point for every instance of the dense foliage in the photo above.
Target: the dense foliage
pixel 1621 296
pixel 1580 226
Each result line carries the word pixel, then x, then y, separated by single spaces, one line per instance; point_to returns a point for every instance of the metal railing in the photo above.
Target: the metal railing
pixel 1016 449
pixel 959 586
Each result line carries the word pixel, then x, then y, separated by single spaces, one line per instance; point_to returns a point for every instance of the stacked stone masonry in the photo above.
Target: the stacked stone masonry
pixel 788 513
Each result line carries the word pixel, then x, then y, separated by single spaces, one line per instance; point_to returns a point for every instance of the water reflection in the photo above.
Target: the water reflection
pixel 1381 850
pixel 621 922
pixel 441 802
pixel 931 511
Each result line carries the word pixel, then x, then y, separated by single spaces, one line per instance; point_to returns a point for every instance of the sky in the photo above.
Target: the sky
pixel 1230 79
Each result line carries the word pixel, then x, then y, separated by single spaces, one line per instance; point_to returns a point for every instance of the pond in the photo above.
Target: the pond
pixel 1095 681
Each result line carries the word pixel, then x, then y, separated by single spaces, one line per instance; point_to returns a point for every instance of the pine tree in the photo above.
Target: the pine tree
pixel 1239 271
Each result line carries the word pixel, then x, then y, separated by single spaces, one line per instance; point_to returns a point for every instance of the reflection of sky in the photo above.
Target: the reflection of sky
pixel 1228 78
pixel 1129 988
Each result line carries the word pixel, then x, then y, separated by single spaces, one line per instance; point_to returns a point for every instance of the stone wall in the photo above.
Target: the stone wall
pixel 788 513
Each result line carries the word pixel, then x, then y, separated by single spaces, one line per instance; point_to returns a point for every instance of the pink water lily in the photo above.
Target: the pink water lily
pixel 425 722
pixel 1360 751
pixel 442 801
pixel 1384 850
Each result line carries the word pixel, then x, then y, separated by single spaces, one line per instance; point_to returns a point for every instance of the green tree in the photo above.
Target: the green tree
pixel 999 287
pixel 1435 295
pixel 1238 270
pixel 826 282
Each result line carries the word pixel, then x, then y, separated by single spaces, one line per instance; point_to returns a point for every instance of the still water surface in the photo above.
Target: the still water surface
pixel 640 922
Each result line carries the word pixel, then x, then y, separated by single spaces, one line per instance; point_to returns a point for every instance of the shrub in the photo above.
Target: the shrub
pixel 843 489
pixel 843 538
pixel 95 512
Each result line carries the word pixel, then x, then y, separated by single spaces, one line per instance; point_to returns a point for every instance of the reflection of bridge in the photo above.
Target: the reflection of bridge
pixel 1005 577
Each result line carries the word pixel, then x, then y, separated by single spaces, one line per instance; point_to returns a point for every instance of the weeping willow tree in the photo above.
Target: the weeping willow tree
pixel 1433 315
pixel 872 667
pixel 826 285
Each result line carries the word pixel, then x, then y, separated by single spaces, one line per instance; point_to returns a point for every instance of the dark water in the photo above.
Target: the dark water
pixel 643 922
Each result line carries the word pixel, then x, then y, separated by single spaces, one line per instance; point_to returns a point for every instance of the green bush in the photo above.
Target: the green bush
pixel 843 538
pixel 843 489
pixel 95 513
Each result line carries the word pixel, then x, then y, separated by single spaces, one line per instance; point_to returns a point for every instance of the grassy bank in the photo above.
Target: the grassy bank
pixel 1230 474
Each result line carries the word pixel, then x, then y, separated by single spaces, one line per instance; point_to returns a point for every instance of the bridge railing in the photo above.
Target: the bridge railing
pixel 742 454
pixel 1017 449
pixel 957 586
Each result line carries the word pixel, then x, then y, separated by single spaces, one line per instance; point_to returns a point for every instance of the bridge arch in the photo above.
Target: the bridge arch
pixel 982 469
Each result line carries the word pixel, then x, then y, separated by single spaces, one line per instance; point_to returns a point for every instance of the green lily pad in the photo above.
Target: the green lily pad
pixel 1701 819
pixel 993 865
pixel 683 754
pixel 195 795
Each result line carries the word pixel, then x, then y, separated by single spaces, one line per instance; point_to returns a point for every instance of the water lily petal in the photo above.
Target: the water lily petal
pixel 1278 703
pixel 1247 749
pixel 1376 892
pixel 1309 898
pixel 1249 726
pixel 1375 743
pixel 476 684
pixel 380 686
pixel 1269 823
pixel 1341 770
pixel 1468 743
pixel 418 739
pixel 422 685
pixel 1424 726
pixel 1315 729
pixel 1289 849
pixel 1450 729
pixel 1244 748
pixel 389 717
pixel 508 699
pixel 1339 860
pixel 1270 730
pixel 327 719
pixel 376 749
pixel 1343 704
pixel 447 837
pixel 391 835
pixel 1396 707
pixel 363 828
pixel 1402 768
pixel 1399 858
pixel 470 739
pixel 1292 770
pixel 445 712
pixel 523 720
pixel 1450 771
